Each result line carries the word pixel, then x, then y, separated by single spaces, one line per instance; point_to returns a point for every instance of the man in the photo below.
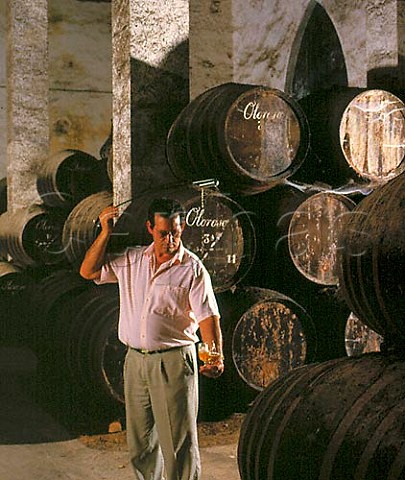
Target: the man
pixel 165 296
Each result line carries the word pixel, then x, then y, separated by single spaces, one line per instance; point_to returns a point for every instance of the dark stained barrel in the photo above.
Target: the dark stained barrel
pixel 96 356
pixel 273 334
pixel 60 286
pixel 313 235
pixel 15 288
pixel 3 195
pixel 81 226
pixel 371 261
pixel 359 338
pixel 33 236
pixel 338 420
pixel 83 346
pixel 217 229
pixel 248 137
pixel 372 132
pixel 106 155
pixel 68 176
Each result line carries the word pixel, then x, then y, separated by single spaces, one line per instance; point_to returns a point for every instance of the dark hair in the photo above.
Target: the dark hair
pixel 167 208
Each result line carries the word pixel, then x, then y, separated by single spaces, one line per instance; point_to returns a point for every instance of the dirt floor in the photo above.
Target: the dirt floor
pixel 222 432
pixel 44 435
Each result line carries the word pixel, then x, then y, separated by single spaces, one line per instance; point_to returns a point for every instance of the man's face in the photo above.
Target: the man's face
pixel 166 234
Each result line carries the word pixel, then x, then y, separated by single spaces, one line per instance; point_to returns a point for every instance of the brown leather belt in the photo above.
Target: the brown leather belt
pixel 143 351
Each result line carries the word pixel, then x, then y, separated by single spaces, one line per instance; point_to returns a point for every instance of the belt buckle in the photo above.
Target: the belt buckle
pixel 144 351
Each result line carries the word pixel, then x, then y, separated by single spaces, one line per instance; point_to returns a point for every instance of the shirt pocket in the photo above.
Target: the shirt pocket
pixel 171 300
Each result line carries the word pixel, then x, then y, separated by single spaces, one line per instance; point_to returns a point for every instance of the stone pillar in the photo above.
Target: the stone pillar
pixel 211 44
pixel 401 44
pixel 350 21
pixel 255 41
pixel 382 43
pixel 242 41
pixel 150 86
pixel 27 98
pixel 121 105
pixel 3 97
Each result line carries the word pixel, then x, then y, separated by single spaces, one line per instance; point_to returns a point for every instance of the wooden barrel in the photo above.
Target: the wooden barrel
pixel 325 162
pixel 106 155
pixel 271 212
pixel 273 334
pixel 372 132
pixel 60 286
pixel 81 226
pixel 273 267
pixel 15 288
pixel 217 229
pixel 3 195
pixel 33 236
pixel 356 138
pixel 313 235
pixel 359 338
pixel 96 356
pixel 371 259
pixel 248 137
pixel 68 176
pixel 84 343
pixel 81 351
pixel 338 420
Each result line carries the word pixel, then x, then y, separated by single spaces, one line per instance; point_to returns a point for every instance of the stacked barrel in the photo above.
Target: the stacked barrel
pixel 257 142
pixel 248 138
pixel 41 248
pixel 269 184
pixel 342 418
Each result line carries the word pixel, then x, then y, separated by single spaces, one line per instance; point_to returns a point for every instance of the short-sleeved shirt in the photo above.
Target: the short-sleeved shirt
pixel 160 308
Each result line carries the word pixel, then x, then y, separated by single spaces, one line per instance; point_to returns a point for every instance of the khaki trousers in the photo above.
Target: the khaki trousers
pixel 161 400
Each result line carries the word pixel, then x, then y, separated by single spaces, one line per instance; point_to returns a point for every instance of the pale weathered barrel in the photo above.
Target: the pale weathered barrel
pixel 359 338
pixel 313 235
pixel 338 420
pixel 356 137
pixel 271 212
pixel 371 260
pixel 273 267
pixel 273 334
pixel 68 176
pixel 81 226
pixel 248 137
pixel 372 132
pixel 217 229
pixel 33 236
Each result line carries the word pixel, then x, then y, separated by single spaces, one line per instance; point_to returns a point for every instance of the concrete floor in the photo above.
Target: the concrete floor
pixel 35 446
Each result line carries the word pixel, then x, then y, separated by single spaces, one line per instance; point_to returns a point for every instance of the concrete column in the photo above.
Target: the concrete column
pixel 27 98
pixel 150 86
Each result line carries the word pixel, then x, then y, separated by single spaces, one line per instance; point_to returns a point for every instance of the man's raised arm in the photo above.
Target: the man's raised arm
pixel 95 256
